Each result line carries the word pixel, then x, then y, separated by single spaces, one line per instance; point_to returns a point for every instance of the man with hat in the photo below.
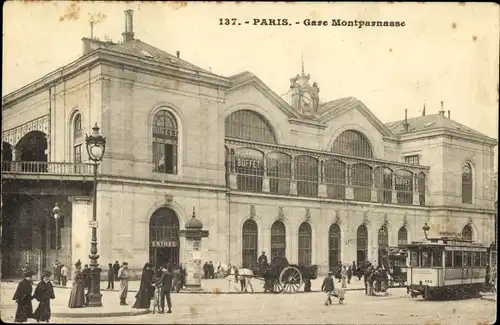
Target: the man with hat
pixel 123 276
pixel 23 298
pixel 165 284
pixel 328 287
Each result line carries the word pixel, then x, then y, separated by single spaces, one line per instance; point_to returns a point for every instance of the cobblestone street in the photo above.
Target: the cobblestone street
pixel 396 308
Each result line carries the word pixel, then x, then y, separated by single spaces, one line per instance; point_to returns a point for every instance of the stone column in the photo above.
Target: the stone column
pixel 16 157
pixel 322 189
pixel 374 188
pixel 349 191
pixel 265 178
pixel 193 233
pixel 81 214
pixel 293 182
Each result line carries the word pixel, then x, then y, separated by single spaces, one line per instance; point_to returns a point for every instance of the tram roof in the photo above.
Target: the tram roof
pixel 445 242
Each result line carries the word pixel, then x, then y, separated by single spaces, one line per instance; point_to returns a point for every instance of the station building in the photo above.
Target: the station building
pixel 318 181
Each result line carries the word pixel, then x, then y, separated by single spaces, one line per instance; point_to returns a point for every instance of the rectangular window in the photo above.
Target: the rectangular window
pixel 476 258
pixel 165 158
pixel 448 258
pixel 437 258
pixel 425 259
pixel 467 259
pixel 413 259
pixel 77 153
pixel 457 259
pixel 412 160
pixel 484 261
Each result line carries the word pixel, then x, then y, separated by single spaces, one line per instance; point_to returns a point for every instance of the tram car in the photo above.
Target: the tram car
pixel 447 267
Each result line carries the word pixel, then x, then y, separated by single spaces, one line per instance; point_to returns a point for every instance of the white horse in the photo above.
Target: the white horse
pixel 234 275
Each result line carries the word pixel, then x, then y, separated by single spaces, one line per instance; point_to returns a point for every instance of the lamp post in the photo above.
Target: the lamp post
pixel 55 211
pixel 96 145
pixel 426 229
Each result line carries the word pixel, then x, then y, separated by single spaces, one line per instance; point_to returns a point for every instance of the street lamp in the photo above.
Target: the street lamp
pixel 96 145
pixel 426 229
pixel 55 211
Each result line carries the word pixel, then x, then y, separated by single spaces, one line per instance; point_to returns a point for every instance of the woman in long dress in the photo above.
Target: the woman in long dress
pixel 23 298
pixel 146 288
pixel 77 295
pixel 44 292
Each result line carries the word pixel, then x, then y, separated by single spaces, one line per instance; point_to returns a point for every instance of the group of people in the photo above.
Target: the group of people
pixel 113 274
pixel 24 295
pixel 209 270
pixel 344 274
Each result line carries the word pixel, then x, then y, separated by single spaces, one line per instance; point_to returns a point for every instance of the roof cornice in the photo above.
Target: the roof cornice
pixel 442 131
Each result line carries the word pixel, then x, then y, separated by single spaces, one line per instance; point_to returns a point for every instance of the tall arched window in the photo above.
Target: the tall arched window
pixel 404 186
pixel 279 171
pixel 334 246
pixel 249 125
pixel 353 143
pixel 278 239
pixel 249 168
pixel 165 141
pixel 467 179
pixel 361 179
pixel 362 244
pixel 306 174
pixel 467 232
pixel 421 188
pixel 383 183
pixel 335 179
pixel 383 242
pixel 305 244
pixel 402 236
pixel 77 138
pixel 250 243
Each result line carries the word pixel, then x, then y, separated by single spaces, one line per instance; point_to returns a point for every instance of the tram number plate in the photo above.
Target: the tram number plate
pixel 427 281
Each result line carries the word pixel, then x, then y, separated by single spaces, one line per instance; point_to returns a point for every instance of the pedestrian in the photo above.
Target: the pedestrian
pixel 307 284
pixel 366 278
pixel 205 270
pixel 211 270
pixel 57 272
pixel 343 276
pixel 86 276
pixel 146 288
pixel 111 277
pixel 44 292
pixel 328 287
pixel 123 276
pixel 23 298
pixel 77 294
pixel 165 283
pixel 116 268
pixel 64 275
pixel 349 274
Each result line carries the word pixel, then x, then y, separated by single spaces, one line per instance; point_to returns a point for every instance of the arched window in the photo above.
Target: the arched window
pixel 306 174
pixel 77 138
pixel 467 232
pixel 361 178
pixel 362 244
pixel 278 239
pixel 305 244
pixel 421 188
pixel 165 142
pixel 249 168
pixel 383 242
pixel 279 171
pixel 334 246
pixel 335 179
pixel 250 243
pixel 404 186
pixel 402 236
pixel 249 125
pixel 383 183
pixel 467 179
pixel 353 143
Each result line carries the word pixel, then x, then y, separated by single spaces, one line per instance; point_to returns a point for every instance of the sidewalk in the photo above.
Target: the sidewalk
pixel 220 286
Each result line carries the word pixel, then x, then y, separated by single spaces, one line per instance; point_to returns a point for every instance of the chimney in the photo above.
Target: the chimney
pixel 423 111
pixel 405 124
pixel 178 54
pixel 448 113
pixel 441 112
pixel 128 34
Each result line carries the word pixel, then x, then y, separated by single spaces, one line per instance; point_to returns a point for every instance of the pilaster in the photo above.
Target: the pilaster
pixel 81 233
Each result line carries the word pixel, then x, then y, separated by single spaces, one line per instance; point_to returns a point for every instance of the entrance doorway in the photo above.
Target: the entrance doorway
pixel 164 238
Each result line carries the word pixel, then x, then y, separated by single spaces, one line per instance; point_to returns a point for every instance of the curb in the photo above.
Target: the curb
pixel 102 314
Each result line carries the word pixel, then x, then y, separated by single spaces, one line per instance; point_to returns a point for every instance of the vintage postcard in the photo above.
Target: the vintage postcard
pixel 249 163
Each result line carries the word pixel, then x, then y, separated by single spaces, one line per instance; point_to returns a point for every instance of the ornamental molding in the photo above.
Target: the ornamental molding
pixel 405 221
pixel 13 136
pixel 338 219
pixel 281 214
pixel 386 221
pixel 252 211
pixel 366 221
pixel 308 214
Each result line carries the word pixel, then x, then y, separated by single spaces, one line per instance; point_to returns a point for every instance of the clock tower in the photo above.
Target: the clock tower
pixel 305 97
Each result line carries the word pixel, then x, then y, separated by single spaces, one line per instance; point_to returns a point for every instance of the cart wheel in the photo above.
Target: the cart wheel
pixel 277 287
pixel 291 279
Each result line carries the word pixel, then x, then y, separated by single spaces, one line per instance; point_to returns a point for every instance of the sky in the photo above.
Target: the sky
pixel 446 52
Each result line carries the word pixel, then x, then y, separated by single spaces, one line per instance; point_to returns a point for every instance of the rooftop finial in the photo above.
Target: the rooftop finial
pixel 302 63
pixel 423 110
pixel 442 109
pixel 194 213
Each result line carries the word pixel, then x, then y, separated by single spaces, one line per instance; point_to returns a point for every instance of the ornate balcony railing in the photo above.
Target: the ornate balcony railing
pixel 42 167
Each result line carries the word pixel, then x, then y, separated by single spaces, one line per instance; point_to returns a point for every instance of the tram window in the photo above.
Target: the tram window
pixel 457 259
pixel 484 262
pixel 467 258
pixel 425 259
pixel 476 259
pixel 413 259
pixel 448 259
pixel 437 258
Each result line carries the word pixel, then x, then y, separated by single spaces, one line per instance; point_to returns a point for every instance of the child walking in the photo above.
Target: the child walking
pixel 44 291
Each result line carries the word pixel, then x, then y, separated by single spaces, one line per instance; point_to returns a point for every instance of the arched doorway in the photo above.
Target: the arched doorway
pixel 164 237
pixel 305 244
pixel 402 236
pixel 32 147
pixel 383 242
pixel 361 245
pixel 278 239
pixel 467 232
pixel 334 247
pixel 250 243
